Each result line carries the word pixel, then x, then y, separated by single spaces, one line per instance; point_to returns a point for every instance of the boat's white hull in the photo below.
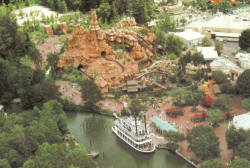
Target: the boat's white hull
pixel 139 150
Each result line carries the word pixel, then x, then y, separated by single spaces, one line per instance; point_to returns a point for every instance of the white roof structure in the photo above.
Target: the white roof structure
pixel 224 65
pixel 242 121
pixel 189 35
pixel 208 53
pixel 222 34
pixel 244 60
pixel 226 21
pixel 222 23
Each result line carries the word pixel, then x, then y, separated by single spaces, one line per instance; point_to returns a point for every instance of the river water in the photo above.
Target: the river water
pixel 94 132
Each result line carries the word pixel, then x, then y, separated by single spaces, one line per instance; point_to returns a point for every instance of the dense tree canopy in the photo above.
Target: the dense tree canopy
pixel 240 163
pixel 244 39
pixel 203 142
pixel 31 132
pixel 243 83
pixel 235 136
pixel 90 93
pixel 214 116
pixel 212 163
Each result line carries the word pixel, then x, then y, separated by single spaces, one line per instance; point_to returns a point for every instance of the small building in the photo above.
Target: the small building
pixel 190 37
pixel 208 53
pixel 242 121
pixel 132 86
pixel 221 36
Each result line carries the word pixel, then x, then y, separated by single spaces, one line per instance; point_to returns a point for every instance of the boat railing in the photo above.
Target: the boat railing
pixel 133 136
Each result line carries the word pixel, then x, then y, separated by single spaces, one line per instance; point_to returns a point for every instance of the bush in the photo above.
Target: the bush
pixel 243 39
pixel 172 146
pixel 222 102
pixel 173 136
pixel 206 42
pixel 243 83
pixel 219 77
pixel 227 88
pixel 246 104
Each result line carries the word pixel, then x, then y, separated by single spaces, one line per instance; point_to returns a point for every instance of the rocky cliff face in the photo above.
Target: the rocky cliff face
pixel 94 51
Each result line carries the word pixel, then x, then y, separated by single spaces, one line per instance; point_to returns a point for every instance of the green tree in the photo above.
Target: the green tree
pixel 234 137
pixel 246 104
pixel 39 94
pixel 222 102
pixel 174 136
pixel 212 163
pixel 4 163
pixel 224 6
pixel 214 116
pixel 135 108
pixel 62 6
pixel 240 163
pixel 244 41
pixel 242 85
pixel 218 47
pixel 52 60
pixel 193 97
pixel 104 12
pixel 206 42
pixel 219 77
pixel 203 142
pixel 80 158
pixel 90 93
pixel 243 149
pixel 227 88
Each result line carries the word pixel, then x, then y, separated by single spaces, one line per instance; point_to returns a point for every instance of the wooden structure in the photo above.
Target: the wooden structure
pixel 132 86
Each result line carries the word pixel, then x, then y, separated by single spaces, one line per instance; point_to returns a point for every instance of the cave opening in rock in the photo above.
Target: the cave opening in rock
pixel 79 67
pixel 103 53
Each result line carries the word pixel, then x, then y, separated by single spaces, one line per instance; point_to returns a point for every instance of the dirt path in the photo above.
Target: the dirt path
pixel 226 154
pixel 69 92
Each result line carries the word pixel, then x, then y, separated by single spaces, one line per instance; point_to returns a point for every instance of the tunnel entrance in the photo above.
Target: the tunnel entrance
pixel 103 53
pixel 79 67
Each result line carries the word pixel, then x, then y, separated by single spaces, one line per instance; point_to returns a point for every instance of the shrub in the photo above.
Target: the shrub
pixel 219 77
pixel 227 88
pixel 172 146
pixel 246 104
pixel 243 83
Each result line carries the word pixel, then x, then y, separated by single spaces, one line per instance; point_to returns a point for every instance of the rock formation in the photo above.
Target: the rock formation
pixel 48 30
pixel 63 27
pixel 94 52
pixel 130 22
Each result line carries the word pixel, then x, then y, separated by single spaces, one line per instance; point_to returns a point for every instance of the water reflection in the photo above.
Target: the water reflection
pixel 94 131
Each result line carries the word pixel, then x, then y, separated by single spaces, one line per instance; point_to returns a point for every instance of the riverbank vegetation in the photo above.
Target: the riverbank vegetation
pixel 34 126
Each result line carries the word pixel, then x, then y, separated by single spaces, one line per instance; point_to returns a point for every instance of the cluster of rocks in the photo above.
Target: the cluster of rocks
pixel 92 49
pixel 127 22
pixel 63 27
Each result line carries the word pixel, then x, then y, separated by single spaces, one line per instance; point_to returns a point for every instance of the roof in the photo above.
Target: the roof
pixel 208 52
pixel 224 65
pixel 227 22
pixel 189 35
pixel 222 34
pixel 242 121
pixel 162 125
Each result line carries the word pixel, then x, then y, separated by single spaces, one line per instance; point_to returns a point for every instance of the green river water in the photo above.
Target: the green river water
pixel 94 132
